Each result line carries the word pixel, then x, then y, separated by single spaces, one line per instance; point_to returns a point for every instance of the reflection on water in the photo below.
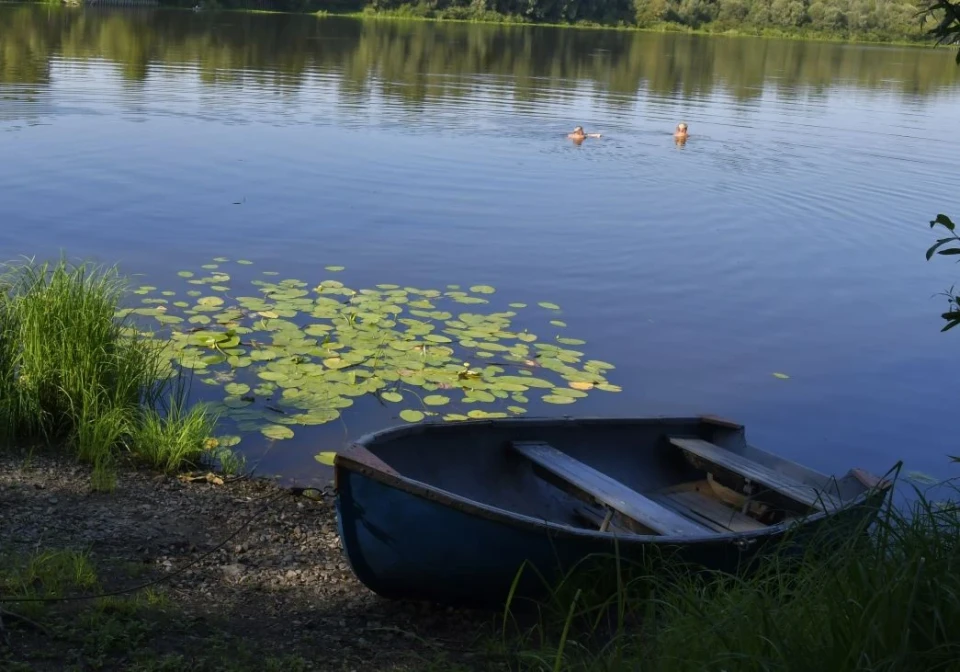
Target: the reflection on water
pixel 786 235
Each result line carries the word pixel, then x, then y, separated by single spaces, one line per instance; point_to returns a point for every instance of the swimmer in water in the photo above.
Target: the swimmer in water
pixel 681 133
pixel 579 135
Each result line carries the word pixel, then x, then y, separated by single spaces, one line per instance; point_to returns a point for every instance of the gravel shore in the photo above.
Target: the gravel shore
pixel 279 590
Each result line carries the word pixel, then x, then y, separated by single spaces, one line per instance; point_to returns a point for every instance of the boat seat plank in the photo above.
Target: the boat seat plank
pixel 607 490
pixel 596 518
pixel 757 473
pixel 713 512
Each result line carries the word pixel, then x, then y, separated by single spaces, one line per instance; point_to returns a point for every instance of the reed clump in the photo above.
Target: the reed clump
pixel 887 599
pixel 74 375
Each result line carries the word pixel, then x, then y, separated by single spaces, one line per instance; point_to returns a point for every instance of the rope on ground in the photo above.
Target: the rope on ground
pixel 270 499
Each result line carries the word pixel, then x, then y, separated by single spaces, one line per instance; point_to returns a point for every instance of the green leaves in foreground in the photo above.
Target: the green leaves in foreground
pixel 288 352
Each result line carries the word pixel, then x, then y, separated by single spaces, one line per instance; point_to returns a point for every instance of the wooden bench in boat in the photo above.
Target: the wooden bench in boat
pixel 709 511
pixel 609 491
pixel 757 473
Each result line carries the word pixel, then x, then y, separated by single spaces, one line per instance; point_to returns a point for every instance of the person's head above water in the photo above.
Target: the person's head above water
pixel 579 134
pixel 681 128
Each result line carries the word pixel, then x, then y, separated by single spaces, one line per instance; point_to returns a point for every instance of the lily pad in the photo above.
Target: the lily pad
pixel 436 400
pixel 411 415
pixel 277 432
pixel 781 376
pixel 325 458
pixel 482 289
pixel 394 397
pixel 333 269
pixel 548 305
pixel 236 389
pixel 558 399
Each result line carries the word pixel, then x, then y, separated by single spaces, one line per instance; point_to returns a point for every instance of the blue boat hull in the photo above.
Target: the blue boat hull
pixel 403 546
pixel 407 540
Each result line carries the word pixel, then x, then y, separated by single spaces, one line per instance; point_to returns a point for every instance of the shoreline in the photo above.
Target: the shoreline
pixel 278 595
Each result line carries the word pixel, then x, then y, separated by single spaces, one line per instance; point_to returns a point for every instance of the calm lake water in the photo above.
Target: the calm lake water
pixel 786 236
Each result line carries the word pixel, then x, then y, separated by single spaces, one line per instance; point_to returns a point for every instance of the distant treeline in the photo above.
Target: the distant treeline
pixel 847 19
pixel 394 59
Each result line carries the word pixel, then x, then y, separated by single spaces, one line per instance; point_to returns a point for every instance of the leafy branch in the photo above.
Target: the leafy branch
pixel 952 316
pixel 947 30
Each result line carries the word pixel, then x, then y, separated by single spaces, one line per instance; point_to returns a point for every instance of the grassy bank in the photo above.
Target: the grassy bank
pixel 73 375
pixel 887 601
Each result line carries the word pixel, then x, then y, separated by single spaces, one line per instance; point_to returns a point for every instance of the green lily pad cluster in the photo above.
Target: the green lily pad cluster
pixel 293 354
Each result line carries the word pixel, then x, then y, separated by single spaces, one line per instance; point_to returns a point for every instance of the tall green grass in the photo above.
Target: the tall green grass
pixel 73 374
pixel 888 600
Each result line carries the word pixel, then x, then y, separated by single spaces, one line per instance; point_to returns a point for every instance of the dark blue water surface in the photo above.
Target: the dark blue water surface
pixel 786 236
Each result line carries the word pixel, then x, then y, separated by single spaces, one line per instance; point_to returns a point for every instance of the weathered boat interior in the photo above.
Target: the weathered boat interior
pixel 673 477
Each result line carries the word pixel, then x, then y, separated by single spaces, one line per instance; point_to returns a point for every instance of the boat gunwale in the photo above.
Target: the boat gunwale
pixel 359 459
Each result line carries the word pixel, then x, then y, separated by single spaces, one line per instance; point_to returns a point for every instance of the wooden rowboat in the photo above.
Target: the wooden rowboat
pixel 449 512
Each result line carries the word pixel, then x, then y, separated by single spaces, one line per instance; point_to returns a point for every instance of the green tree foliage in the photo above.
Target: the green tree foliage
pixel 859 19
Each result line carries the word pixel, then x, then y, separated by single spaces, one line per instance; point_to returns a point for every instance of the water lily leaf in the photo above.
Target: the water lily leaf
pixel 548 305
pixel 394 397
pixel 244 262
pixel 269 314
pixel 581 385
pixel 411 415
pixel 236 402
pixel 236 389
pixel 480 395
pixel 558 323
pixel 570 341
pixel 454 417
pixel 277 432
pixel 782 376
pixel 482 289
pixel 185 274
pixel 518 305
pixel 527 381
pixel 210 301
pixel 437 338
pixel 325 457
pixel 333 269
pixel 436 400
pixel 227 441
pixel 558 399
pixel 516 409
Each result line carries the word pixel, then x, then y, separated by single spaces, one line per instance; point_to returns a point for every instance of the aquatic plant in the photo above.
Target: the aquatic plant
pixel 299 353
pixel 72 374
